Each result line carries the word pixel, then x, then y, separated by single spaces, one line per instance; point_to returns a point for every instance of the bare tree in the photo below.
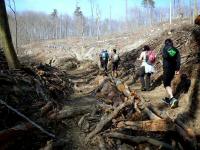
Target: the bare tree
pixel 92 17
pixel 149 4
pixel 15 15
pixel 126 9
pixel 6 40
pixel 195 9
pixel 98 14
pixel 170 13
pixel 79 21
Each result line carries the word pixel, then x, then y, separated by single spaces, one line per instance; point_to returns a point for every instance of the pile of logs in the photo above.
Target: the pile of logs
pixel 55 81
pixel 125 119
pixel 27 96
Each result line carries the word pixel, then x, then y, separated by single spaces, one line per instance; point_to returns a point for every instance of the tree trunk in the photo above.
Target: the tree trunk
pixel 161 125
pixel 6 40
pixel 170 13
pixel 195 14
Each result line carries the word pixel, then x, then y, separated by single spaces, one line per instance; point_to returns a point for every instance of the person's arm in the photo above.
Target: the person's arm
pixel 178 62
pixel 164 53
pixel 141 56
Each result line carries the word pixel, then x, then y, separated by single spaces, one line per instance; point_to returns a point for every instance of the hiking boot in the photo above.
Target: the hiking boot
pixel 143 89
pixel 173 103
pixel 166 100
pixel 149 89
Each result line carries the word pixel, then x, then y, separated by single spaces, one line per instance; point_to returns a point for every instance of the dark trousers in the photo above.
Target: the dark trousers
pixel 145 78
pixel 105 65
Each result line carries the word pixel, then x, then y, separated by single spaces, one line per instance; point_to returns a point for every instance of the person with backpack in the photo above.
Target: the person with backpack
pixel 171 66
pixel 104 57
pixel 115 59
pixel 148 58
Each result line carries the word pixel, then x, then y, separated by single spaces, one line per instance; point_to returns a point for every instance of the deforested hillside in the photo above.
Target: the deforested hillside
pixel 89 48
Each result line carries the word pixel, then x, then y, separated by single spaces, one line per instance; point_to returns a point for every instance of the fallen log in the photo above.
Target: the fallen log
pixel 160 125
pixel 123 88
pixel 102 145
pixel 158 112
pixel 150 114
pixel 139 139
pixel 82 119
pixel 27 119
pixel 191 142
pixel 189 131
pixel 107 118
pixel 46 108
pixel 48 146
pixel 72 111
pixel 6 134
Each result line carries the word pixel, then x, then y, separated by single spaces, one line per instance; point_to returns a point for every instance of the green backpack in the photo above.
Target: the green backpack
pixel 172 52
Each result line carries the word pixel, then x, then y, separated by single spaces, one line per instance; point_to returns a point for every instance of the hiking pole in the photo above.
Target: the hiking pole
pixel 26 118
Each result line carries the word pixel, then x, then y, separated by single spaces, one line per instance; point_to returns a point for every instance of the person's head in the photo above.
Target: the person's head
pixel 146 48
pixel 168 42
pixel 114 50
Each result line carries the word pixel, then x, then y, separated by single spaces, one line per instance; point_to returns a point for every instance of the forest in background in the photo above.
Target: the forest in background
pixel 29 26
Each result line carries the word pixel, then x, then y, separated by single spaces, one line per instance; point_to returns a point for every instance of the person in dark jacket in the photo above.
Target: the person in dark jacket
pixel 171 66
pixel 104 57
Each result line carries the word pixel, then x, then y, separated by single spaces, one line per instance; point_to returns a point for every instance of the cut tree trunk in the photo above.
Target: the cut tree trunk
pixel 160 125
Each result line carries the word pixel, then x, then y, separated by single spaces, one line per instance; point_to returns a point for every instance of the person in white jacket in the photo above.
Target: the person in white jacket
pixel 146 69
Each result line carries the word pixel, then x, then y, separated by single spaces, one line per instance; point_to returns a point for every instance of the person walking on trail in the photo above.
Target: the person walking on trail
pixel 115 59
pixel 148 58
pixel 104 57
pixel 171 66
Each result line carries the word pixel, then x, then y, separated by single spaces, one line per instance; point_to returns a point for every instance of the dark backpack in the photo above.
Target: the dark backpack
pixel 105 55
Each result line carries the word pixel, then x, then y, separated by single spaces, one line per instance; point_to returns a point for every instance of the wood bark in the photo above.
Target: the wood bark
pixel 102 145
pixel 7 134
pixel 6 39
pixel 140 139
pixel 106 119
pixel 161 125
pixel 69 111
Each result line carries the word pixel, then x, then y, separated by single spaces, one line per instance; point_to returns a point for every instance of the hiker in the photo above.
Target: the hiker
pixel 171 66
pixel 115 59
pixel 148 58
pixel 104 56
pixel 101 60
